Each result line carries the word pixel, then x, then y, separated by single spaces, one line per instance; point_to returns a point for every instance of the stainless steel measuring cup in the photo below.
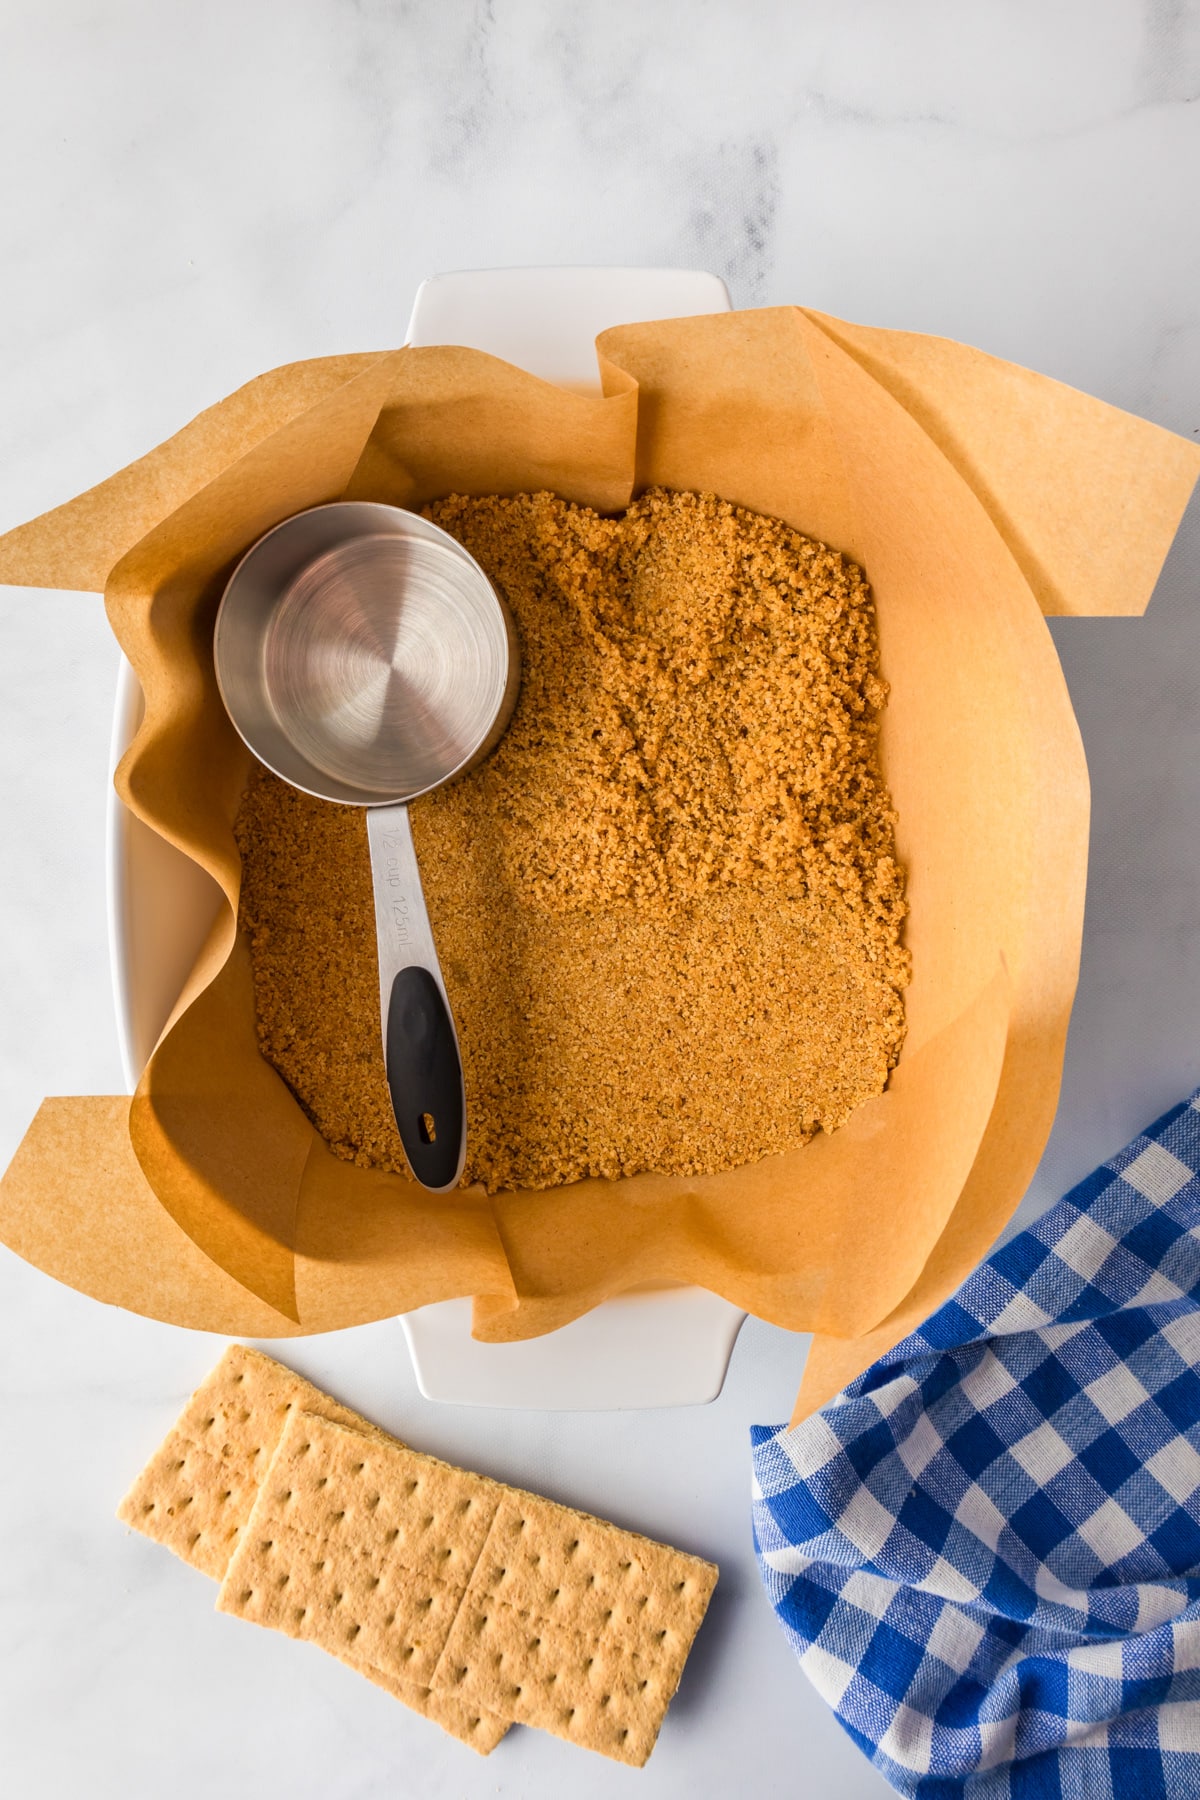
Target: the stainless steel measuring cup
pixel 365 658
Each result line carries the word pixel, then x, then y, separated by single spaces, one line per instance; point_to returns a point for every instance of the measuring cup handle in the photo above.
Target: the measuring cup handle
pixel 420 1048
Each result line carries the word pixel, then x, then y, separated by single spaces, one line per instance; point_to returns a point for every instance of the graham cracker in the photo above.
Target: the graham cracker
pixel 361 1545
pixel 198 1490
pixel 572 1624
pixel 379 1553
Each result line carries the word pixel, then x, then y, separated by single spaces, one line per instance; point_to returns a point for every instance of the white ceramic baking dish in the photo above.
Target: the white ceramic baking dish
pixel 659 1347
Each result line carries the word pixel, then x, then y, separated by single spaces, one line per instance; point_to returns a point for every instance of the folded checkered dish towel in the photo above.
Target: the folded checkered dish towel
pixel 986 1551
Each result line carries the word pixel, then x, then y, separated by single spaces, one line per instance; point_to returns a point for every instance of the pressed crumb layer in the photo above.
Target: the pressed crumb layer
pixel 668 907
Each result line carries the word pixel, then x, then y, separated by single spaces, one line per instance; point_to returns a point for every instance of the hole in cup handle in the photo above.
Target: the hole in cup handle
pixel 424 1075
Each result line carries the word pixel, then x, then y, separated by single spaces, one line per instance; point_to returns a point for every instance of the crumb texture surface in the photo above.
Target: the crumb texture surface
pixel 668 906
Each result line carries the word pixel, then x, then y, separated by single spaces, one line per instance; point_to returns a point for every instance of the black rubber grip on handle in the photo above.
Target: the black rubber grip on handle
pixel 425 1077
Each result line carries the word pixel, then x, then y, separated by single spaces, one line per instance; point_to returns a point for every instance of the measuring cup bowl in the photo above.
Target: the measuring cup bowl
pixel 365 658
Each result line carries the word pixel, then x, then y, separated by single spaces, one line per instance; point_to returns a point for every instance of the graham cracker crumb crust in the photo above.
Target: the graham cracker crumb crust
pixel 668 907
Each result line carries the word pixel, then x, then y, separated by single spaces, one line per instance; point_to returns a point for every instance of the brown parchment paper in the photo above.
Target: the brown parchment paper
pixel 978 496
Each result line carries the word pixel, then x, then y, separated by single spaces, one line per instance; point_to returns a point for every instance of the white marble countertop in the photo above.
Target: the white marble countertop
pixel 199 193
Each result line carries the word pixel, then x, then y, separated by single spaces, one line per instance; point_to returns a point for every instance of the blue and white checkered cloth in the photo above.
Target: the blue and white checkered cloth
pixel 986 1551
